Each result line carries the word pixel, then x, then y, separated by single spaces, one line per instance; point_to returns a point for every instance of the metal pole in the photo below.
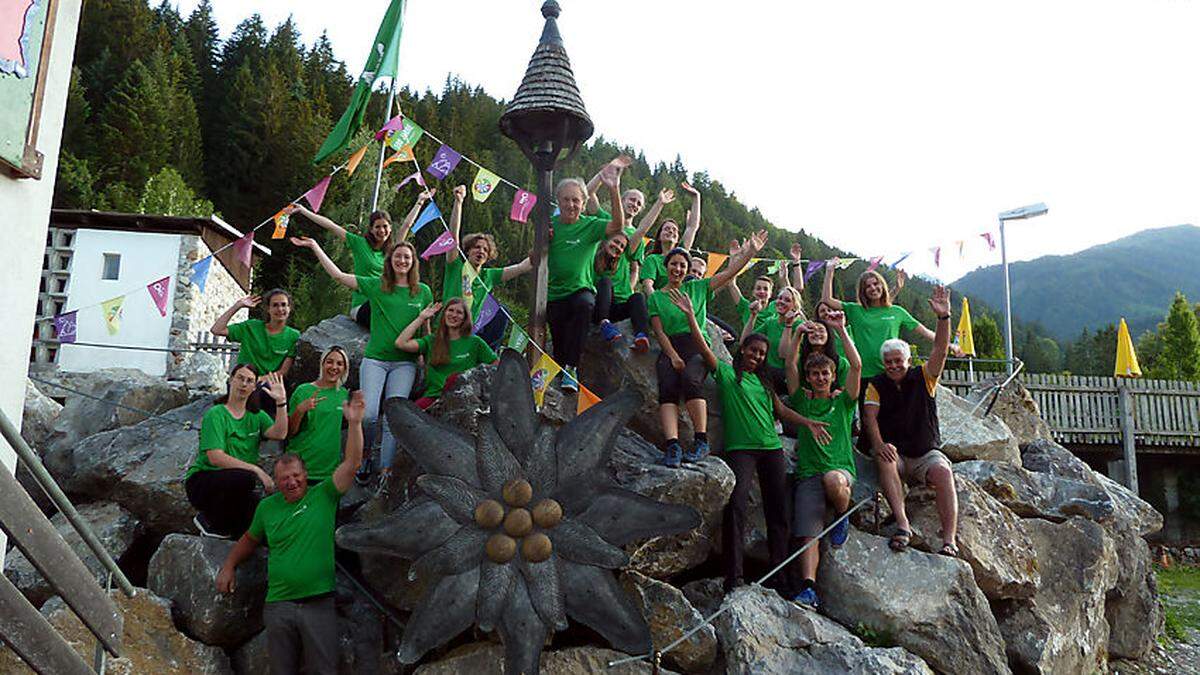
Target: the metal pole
pixel 383 147
pixel 1008 332
pixel 1128 449
pixel 541 244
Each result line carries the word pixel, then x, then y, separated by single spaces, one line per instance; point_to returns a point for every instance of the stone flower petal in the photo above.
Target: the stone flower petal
pixel 523 632
pixel 496 582
pixel 513 412
pixel 462 550
pixel 621 517
pixel 577 495
pixel 410 532
pixel 439 448
pixel 443 613
pixel 456 497
pixel 598 602
pixel 541 464
pixel 579 543
pixel 495 463
pixel 586 442
pixel 541 581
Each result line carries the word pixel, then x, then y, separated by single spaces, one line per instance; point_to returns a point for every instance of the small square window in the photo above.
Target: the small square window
pixel 112 267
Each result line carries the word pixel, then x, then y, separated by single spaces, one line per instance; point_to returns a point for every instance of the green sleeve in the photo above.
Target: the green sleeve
pixel 708 291
pixel 424 344
pixel 368 286
pixel 257 529
pixel 298 395
pixel 598 228
pixel 264 422
pixel 212 431
pixel 483 351
pixel 357 244
pixel 743 309
pixel 452 279
pixel 493 276
pixel 329 490
pixel 238 331
pixel 906 319
pixel 652 303
pixel 294 335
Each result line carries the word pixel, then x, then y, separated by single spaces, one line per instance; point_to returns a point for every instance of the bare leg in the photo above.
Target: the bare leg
pixel 837 490
pixel 893 490
pixel 698 410
pixel 942 480
pixel 809 560
pixel 668 415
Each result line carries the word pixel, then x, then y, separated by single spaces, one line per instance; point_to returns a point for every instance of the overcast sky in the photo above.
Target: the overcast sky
pixel 879 126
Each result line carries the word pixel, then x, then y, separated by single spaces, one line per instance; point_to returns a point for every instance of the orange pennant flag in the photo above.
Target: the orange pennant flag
pixel 281 222
pixel 715 260
pixel 355 159
pixel 404 154
pixel 586 400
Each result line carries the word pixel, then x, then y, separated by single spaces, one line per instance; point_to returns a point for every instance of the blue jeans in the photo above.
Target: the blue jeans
pixel 381 380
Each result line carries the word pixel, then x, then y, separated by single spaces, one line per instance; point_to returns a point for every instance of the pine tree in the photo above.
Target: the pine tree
pixel 1179 358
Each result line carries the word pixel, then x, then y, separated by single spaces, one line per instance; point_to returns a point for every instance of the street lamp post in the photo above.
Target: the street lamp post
pixel 1031 211
pixel 546 119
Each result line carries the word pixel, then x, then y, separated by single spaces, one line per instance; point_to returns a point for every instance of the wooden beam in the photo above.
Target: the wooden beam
pixel 32 637
pixel 1127 441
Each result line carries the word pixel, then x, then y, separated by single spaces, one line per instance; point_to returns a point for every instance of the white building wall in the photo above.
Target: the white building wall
pixel 195 312
pixel 145 257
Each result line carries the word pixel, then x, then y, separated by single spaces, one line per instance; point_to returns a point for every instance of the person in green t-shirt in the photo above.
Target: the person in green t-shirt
pixel 449 351
pixel 815 337
pixel 764 288
pixel 397 297
pixel 824 470
pixel 297 525
pixel 315 416
pixel 653 274
pixel 680 367
pixel 480 249
pixel 221 481
pixel 269 346
pixel 749 407
pixel 777 327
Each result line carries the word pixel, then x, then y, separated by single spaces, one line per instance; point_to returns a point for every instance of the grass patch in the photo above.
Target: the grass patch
pixel 872 637
pixel 1179 589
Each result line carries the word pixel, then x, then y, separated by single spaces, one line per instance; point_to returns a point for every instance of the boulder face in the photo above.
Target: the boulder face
pixel 967 435
pixel 991 539
pixel 669 615
pixel 483 658
pixel 1132 608
pixel 1038 495
pixel 927 604
pixel 1015 407
pixel 82 417
pixel 761 632
pixel 470 397
pixel 184 570
pixel 114 526
pixel 1062 629
pixel 38 417
pixel 337 330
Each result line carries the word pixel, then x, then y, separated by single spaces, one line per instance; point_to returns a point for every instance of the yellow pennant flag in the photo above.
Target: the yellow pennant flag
pixel 112 313
pixel 1127 363
pixel 843 263
pixel 964 337
pixel 543 372
pixel 647 242
pixel 715 260
pixel 469 275
pixel 404 154
pixel 484 185
pixel 586 400
pixel 357 157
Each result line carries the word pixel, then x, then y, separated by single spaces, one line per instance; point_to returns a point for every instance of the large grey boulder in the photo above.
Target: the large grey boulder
pixel 114 526
pixel 464 403
pixel 761 632
pixel 38 417
pixel 1038 495
pixel 1014 406
pixel 670 615
pixel 966 434
pixel 251 658
pixel 927 604
pixel 82 417
pixel 1062 628
pixel 184 570
pixel 203 373
pixel 1132 608
pixel 337 330
pixel 482 658
pixel 991 539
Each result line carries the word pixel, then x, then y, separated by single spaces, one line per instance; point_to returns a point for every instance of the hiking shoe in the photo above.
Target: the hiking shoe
pixel 381 486
pixel 363 475
pixel 570 381
pixel 698 452
pixel 840 533
pixel 808 598
pixel 202 525
pixel 672 456
pixel 609 332
pixel 641 343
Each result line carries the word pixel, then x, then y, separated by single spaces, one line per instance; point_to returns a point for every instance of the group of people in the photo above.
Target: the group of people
pixel 791 375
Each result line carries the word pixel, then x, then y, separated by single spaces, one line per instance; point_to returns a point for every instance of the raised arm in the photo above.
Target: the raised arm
pixel 665 196
pixel 353 410
pixel 517 269
pixel 279 430
pixel 837 320
pixel 460 193
pixel 693 217
pixel 221 325
pixel 347 280
pixel 791 363
pixel 940 304
pixel 611 176
pixel 296 417
pixel 827 286
pixel 321 221
pixel 738 259
pixel 684 303
pixel 797 267
pixel 756 307
pixel 411 216
pixel 406 340
pixel 592 207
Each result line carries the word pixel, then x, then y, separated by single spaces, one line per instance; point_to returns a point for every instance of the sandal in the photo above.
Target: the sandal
pixel 899 541
pixel 949 549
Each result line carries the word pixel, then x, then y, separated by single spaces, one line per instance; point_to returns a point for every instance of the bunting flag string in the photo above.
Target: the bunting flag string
pixel 991 243
pixel 111 310
pixel 522 206
pixel 159 292
pixel 243 249
pixel 937 255
pixel 874 263
pixel 356 159
pixel 443 243
pixel 586 400
pixel 484 184
pixel 518 339
pixel 416 175
pixel 64 326
pixel 487 312
pixel 960 244
pixel 444 161
pixel 814 266
pixel 394 124
pixel 428 215
pixel 200 272
pixel 316 194
pixel 540 376
pixel 281 220
pixel 715 260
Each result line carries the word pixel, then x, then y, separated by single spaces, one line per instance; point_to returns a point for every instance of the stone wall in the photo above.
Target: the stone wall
pixel 193 311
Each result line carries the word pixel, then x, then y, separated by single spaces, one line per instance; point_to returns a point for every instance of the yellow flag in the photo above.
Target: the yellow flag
pixel 1127 363
pixel 112 313
pixel 355 159
pixel 715 260
pixel 586 400
pixel 404 154
pixel 484 185
pixel 843 263
pixel 543 372
pixel 468 280
pixel 964 337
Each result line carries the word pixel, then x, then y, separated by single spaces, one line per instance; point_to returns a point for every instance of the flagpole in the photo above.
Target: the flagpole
pixel 383 146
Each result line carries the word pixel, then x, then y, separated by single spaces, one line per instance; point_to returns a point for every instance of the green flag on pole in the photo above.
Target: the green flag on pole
pixel 383 61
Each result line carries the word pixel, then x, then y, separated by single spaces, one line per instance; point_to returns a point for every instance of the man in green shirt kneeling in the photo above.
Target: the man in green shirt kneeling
pixel 297 525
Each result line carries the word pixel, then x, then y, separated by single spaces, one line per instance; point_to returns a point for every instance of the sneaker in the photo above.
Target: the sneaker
pixel 609 332
pixel 381 485
pixel 202 525
pixel 672 456
pixel 570 381
pixel 363 475
pixel 808 598
pixel 641 343
pixel 698 452
pixel 840 533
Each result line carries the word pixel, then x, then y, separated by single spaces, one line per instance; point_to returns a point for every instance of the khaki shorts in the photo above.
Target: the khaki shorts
pixel 914 469
pixel 809 510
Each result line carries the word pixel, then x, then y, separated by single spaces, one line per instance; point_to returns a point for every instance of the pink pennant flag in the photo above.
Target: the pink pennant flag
pixel 416 175
pixel 987 236
pixel 874 263
pixel 394 124
pixel 316 194
pixel 522 205
pixel 443 243
pixel 158 291
pixel 937 256
pixel 244 247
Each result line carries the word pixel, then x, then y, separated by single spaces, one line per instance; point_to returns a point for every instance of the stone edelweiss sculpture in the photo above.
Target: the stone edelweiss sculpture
pixel 521 529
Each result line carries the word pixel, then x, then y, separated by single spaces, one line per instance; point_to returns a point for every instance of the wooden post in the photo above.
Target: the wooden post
pixel 1129 450
pixel 28 633
pixel 544 164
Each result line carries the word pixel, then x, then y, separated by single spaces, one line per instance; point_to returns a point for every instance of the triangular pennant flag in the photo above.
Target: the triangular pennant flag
pixel 416 175
pixel 844 263
pixel 1127 363
pixel 444 161
pixel 963 336
pixel 902 258
pixel 355 159
pixel 960 244
pixel 316 194
pixel 874 263
pixel 430 214
pixel 540 376
pixel 281 224
pixel 404 154
pixel 647 242
pixel 158 293
pixel 522 205
pixel 814 266
pixel 443 243
pixel 484 185
pixel 518 340
pixel 407 135
pixel 65 325
pixel 991 243
pixel 937 255
pixel 715 260
pixel 486 313
pixel 243 248
pixel 773 268
pixel 586 400
pixel 469 275
pixel 200 272
pixel 111 309
pixel 394 124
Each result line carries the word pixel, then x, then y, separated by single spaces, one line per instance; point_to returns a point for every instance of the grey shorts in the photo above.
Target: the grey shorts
pixel 914 469
pixel 809 512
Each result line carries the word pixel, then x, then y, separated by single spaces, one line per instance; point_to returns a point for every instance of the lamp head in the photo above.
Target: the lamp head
pixel 1031 211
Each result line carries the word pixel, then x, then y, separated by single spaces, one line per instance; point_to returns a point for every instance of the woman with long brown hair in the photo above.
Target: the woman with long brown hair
pixel 449 350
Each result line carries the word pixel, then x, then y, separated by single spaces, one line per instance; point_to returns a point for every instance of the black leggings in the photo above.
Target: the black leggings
pixel 362 316
pixel 570 318
pixel 226 497
pixel 772 478
pixel 688 383
pixel 633 308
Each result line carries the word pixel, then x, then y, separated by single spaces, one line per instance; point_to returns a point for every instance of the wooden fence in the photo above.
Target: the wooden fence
pixel 217 345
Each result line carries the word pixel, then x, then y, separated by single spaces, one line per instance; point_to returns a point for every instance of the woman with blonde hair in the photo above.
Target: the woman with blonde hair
pixel 449 350
pixel 777 326
pixel 315 416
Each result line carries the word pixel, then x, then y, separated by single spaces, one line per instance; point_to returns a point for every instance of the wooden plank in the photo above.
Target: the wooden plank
pixel 28 634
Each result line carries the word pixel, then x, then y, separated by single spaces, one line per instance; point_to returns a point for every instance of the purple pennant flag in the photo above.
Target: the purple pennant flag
pixel 486 313
pixel 813 267
pixel 443 243
pixel 444 161
pixel 394 124
pixel 522 204
pixel 64 326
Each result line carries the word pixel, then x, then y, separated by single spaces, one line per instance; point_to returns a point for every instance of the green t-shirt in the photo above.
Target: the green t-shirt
pixel 367 262
pixel 261 349
pixel 622 283
pixel 319 440
pixel 674 321
pixel 871 327
pixel 238 438
pixel 390 314
pixel 465 353
pixel 654 268
pixel 743 310
pixel 772 326
pixel 453 284
pixel 838 413
pixel 747 411
pixel 570 262
pixel 300 538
